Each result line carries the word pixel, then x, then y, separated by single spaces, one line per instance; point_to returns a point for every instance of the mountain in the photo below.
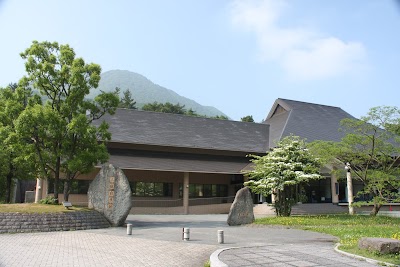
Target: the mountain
pixel 145 91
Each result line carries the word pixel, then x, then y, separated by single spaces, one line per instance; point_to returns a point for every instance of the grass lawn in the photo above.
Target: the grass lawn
pixel 37 208
pixel 349 229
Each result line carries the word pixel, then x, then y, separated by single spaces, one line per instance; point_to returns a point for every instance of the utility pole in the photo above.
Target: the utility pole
pixel 349 188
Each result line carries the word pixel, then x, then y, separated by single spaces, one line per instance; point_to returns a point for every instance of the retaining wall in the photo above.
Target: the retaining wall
pixel 46 222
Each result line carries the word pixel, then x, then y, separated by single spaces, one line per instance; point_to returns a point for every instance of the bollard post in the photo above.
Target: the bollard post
pixel 220 236
pixel 186 234
pixel 129 229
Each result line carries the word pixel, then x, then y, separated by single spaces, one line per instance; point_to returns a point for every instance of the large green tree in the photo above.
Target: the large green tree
pixel 15 162
pixel 277 173
pixel 165 107
pixel 372 146
pixel 176 109
pixel 248 118
pixel 65 141
pixel 126 100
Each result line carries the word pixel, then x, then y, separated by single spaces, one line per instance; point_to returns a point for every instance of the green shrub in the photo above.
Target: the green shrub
pixel 49 200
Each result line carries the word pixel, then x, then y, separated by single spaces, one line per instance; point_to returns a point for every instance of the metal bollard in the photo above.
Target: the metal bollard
pixel 220 236
pixel 186 234
pixel 129 229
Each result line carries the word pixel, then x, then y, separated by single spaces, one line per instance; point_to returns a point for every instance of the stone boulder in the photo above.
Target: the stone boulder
pixel 110 194
pixel 381 245
pixel 241 211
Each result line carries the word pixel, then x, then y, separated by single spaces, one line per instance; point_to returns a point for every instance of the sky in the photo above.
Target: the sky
pixel 238 56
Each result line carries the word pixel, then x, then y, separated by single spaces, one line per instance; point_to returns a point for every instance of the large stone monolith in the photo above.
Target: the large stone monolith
pixel 241 211
pixel 110 194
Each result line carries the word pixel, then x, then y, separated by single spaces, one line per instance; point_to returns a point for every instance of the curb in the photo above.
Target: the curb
pixel 380 263
pixel 214 259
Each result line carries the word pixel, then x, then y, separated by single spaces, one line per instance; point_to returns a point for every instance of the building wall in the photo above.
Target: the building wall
pixel 200 209
pixel 168 205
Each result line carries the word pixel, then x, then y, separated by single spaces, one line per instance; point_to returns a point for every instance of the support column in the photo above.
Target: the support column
pixel 186 193
pixel 349 189
pixel 273 198
pixel 39 190
pixel 334 189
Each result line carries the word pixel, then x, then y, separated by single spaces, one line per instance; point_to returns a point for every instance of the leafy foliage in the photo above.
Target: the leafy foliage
pixel 165 108
pixel 277 173
pixel 248 118
pixel 127 100
pixel 176 109
pixel 15 162
pixel 49 200
pixel 62 134
pixel 220 117
pixel 372 147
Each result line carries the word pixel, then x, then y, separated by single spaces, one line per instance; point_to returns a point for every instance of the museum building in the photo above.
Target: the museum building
pixel 179 164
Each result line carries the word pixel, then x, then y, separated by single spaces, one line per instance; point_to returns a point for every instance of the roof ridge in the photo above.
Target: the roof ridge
pixel 308 103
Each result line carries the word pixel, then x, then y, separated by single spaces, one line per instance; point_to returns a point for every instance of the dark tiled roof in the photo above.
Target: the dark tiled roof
pixel 307 120
pixel 162 129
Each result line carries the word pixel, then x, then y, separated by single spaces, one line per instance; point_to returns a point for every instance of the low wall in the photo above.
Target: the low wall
pixel 46 222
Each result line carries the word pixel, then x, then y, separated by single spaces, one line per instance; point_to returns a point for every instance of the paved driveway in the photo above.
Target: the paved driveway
pixel 156 241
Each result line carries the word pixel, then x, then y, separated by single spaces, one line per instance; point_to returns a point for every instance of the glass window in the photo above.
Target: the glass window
pixel 167 189
pixel 149 189
pixel 205 190
pixel 77 186
pixel 192 190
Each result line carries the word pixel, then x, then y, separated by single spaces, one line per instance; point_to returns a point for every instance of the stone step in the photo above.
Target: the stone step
pixel 302 209
pixel 318 208
pixel 263 209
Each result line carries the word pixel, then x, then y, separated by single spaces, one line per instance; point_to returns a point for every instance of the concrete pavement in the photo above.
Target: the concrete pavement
pixel 156 240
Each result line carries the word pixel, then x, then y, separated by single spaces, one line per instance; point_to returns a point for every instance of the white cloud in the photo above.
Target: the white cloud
pixel 302 53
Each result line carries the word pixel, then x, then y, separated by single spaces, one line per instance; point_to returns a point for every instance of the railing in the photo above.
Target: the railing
pixel 179 202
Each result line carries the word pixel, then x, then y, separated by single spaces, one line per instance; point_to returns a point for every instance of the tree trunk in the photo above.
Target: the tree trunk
pixel 283 202
pixel 9 177
pixel 279 203
pixel 8 186
pixel 375 209
pixel 67 185
pixel 57 178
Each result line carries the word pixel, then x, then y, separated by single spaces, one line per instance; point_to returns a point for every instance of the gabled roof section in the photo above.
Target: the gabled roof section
pixel 307 120
pixel 171 130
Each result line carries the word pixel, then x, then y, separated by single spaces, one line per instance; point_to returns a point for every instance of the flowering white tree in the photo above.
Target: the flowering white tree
pixel 278 172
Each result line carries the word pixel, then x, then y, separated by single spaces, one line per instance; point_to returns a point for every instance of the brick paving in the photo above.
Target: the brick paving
pixel 301 255
pixel 156 240
pixel 83 248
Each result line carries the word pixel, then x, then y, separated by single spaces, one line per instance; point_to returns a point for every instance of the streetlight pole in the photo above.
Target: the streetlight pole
pixel 349 188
